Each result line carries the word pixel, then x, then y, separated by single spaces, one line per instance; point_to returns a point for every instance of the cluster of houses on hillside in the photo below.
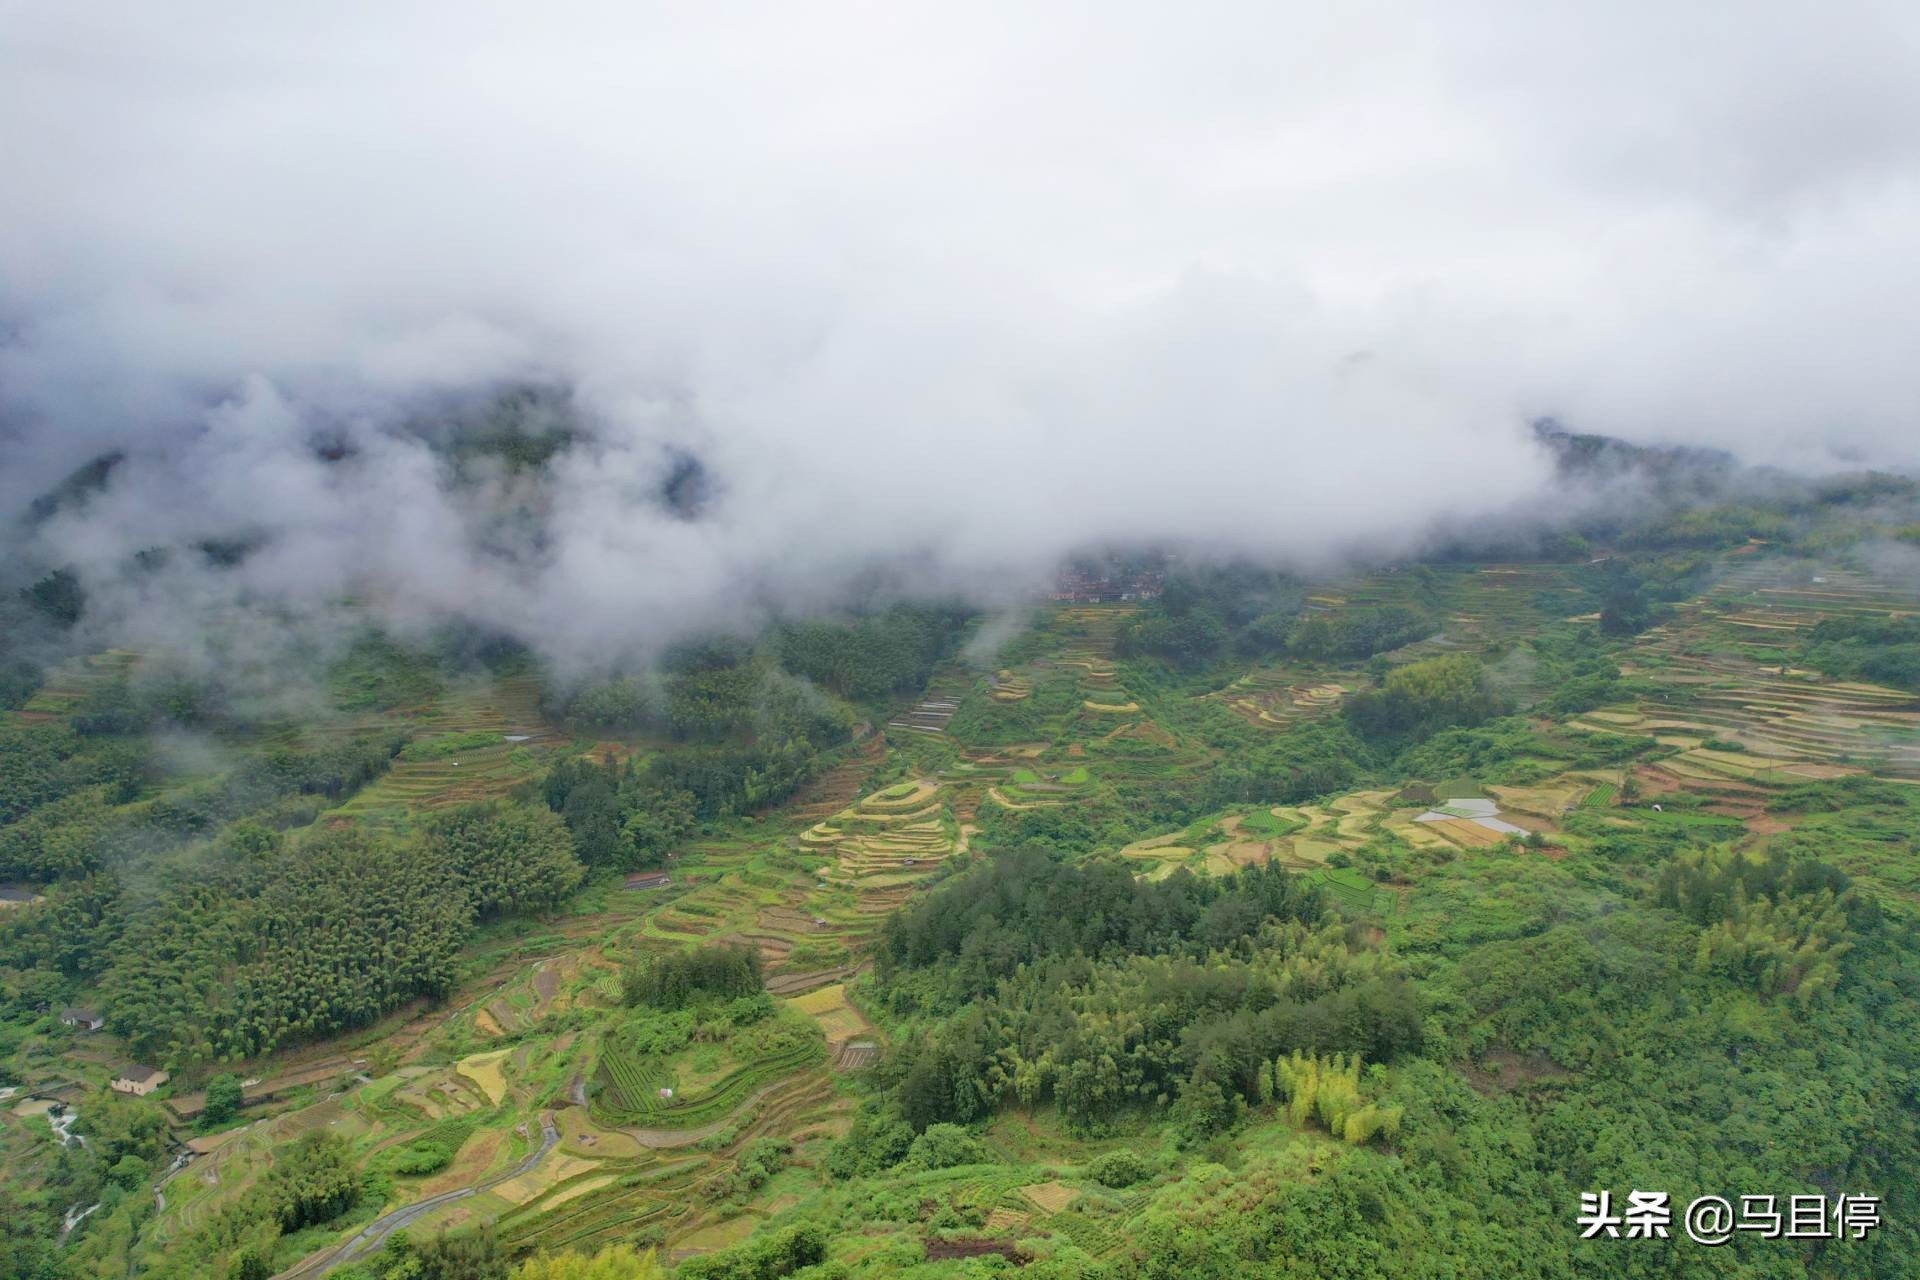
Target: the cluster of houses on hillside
pixel 135 1078
pixel 1110 581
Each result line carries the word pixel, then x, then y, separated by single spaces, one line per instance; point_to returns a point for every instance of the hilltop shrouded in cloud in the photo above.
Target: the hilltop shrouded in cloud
pixel 946 289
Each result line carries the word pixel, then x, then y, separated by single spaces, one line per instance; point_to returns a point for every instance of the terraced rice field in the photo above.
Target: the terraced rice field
pixel 508 708
pixel 1110 708
pixel 631 1087
pixel 484 1071
pixel 936 707
pixel 671 1187
pixel 1281 697
pixel 1159 854
pixel 68 685
pixel 1089 632
pixel 639 1197
pixel 1299 837
pixel 894 837
pixel 839 1021
pixel 1728 660
pixel 1006 686
pixel 831 791
pixel 857 1055
pixel 1029 786
pixel 1050 1197
pixel 1475 604
pixel 1349 887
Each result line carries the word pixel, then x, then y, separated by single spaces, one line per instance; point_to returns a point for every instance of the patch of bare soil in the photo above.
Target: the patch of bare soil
pixel 1656 781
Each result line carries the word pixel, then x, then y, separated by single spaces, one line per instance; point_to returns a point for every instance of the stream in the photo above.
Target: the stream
pixel 74 1217
pixel 63 1122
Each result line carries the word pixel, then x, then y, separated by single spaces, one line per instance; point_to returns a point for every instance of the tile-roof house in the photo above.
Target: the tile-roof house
pixel 80 1016
pixel 140 1081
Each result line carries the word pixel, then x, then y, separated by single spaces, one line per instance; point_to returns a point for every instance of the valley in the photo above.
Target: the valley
pixel 534 1102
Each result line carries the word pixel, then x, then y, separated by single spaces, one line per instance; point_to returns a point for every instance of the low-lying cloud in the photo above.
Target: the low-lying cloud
pixel 943 291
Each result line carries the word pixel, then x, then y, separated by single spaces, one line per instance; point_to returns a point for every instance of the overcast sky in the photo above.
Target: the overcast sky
pixel 970 281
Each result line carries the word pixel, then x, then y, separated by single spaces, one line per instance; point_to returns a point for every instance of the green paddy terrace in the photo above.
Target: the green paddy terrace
pixel 459 1096
pixel 440 1100
pixel 1725 674
pixel 1474 855
pixel 532 1088
pixel 66 687
pixel 1080 721
pixel 1473 606
pixel 475 742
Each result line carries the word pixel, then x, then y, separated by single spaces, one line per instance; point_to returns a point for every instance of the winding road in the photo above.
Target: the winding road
pixel 374 1234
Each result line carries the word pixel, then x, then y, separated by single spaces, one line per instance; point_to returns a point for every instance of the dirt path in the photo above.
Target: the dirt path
pixel 375 1233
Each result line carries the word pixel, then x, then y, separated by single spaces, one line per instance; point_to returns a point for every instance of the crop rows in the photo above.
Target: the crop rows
pixel 622 1208
pixel 1600 797
pixel 632 1093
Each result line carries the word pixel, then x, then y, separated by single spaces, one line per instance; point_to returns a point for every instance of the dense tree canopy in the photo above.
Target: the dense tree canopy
pixel 507 858
pixel 887 653
pixel 331 934
pixel 1422 698
pixel 1884 649
pixel 1083 986
pixel 1204 613
pixel 1358 633
pixel 675 979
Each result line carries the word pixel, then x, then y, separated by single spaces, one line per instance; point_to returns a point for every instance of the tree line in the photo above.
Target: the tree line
pixel 273 939
pixel 675 979
pixel 1080 986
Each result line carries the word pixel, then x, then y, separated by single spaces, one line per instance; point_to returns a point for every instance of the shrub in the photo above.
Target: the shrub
pixel 767 1258
pixel 1120 1169
pixel 943 1146
pixel 223 1099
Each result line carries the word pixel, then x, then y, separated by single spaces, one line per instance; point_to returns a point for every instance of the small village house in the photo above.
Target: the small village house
pixel 139 1081
pixel 84 1018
